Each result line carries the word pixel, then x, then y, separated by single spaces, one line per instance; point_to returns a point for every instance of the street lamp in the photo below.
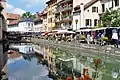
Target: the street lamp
pixel 76 21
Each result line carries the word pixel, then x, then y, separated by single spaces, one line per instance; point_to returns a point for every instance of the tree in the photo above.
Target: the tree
pixel 111 18
pixel 28 15
pixel 116 18
pixel 107 18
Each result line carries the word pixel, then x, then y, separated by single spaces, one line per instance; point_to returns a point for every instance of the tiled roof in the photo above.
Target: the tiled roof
pixel 26 20
pixel 48 1
pixel 86 5
pixel 13 22
pixel 13 16
pixel 2 0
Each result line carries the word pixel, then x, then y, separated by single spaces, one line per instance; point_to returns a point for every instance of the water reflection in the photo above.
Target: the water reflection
pixel 25 67
pixel 67 63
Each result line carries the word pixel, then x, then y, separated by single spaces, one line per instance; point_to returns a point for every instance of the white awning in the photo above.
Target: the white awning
pixel 84 30
pixel 65 32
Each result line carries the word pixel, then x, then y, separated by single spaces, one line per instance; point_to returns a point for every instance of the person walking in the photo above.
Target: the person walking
pixel 88 38
pixel 115 37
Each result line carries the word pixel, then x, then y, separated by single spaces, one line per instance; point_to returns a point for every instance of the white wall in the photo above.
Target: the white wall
pixel 92 15
pixel 76 16
pixel 108 4
pixel 87 15
pixel 38 28
pixel 24 27
pixel 78 2
pixel 12 28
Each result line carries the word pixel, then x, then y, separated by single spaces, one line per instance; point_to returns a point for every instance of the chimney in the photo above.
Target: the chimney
pixel 82 15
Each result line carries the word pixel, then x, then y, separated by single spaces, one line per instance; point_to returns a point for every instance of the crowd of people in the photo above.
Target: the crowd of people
pixel 101 37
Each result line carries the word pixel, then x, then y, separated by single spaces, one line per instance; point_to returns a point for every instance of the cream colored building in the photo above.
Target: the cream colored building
pixel 86 15
pixel 108 4
pixel 50 15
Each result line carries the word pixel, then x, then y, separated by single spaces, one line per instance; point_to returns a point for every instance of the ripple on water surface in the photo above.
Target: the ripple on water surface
pixel 21 69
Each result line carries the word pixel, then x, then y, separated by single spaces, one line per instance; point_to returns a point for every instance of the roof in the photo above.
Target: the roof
pixel 48 1
pixel 44 11
pixel 13 16
pixel 2 0
pixel 26 20
pixel 13 22
pixel 86 5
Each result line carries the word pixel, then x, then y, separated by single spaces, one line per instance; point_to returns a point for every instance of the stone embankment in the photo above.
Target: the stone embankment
pixel 79 48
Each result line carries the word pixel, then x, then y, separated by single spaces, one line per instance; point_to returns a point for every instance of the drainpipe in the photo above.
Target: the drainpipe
pixel 82 15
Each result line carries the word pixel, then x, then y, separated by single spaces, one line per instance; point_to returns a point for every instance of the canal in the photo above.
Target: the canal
pixel 59 63
pixel 26 67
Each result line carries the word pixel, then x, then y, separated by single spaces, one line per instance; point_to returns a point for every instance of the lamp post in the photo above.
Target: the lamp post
pixel 76 21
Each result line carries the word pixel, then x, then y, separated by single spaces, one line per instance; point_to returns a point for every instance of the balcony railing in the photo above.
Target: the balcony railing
pixel 67 17
pixel 63 8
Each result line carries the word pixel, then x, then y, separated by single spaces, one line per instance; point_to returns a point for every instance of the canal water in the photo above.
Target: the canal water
pixel 63 63
pixel 26 67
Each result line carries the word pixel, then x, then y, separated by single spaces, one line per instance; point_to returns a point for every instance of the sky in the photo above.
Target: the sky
pixel 22 6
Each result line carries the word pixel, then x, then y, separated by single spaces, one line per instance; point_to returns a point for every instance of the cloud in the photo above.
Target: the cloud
pixel 10 8
pixel 31 3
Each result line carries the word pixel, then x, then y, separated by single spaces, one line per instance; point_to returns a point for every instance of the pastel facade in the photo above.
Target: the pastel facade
pixel 63 14
pixel 108 4
pixel 86 15
pixel 38 26
pixel 50 14
pixel 26 25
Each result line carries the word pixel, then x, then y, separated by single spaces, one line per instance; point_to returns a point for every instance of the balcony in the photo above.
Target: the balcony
pixel 67 18
pixel 57 20
pixel 67 8
pixel 63 8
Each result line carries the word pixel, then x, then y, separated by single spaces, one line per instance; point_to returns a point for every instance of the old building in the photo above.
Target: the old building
pixel 63 14
pixel 44 18
pixel 3 47
pixel 12 21
pixel 86 15
pixel 50 14
pixel 108 4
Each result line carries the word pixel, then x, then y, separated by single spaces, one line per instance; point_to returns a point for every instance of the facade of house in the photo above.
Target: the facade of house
pixel 50 14
pixel 44 18
pixel 86 15
pixel 11 17
pixel 26 25
pixel 38 24
pixel 108 4
pixel 12 21
pixel 63 14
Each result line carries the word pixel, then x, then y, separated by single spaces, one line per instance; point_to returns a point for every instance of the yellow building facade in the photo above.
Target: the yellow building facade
pixel 50 14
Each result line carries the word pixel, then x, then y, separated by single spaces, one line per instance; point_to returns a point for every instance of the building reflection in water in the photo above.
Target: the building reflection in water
pixel 25 67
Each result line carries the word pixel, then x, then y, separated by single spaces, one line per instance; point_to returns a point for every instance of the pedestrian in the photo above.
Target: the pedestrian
pixel 88 38
pixel 115 37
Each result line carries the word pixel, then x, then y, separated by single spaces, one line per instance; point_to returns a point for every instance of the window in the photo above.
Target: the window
pixel 49 20
pixel 103 7
pixel 28 24
pixel 88 22
pixel 94 9
pixel 116 2
pixel 95 22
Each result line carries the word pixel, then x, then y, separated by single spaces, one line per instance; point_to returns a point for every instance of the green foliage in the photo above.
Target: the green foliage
pixel 111 18
pixel 107 18
pixel 28 15
pixel 99 25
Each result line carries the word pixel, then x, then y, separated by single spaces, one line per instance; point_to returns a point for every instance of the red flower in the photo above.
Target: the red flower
pixel 97 61
pixel 69 78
